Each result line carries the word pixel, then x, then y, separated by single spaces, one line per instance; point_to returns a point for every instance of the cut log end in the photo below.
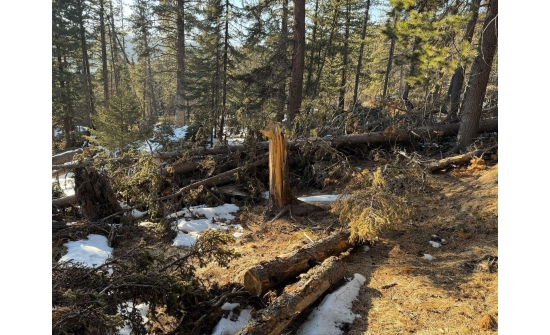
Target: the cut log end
pixel 252 283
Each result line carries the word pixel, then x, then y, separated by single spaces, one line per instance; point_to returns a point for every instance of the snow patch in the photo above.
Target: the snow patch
pixel 128 307
pixel 322 197
pixel 92 252
pixel 435 244
pixel 429 257
pixel 334 310
pixel 232 325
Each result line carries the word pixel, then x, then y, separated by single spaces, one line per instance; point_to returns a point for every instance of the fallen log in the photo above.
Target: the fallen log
pixel 400 135
pixel 295 298
pixel 272 274
pixel 65 201
pixel 65 157
pixel 214 180
pixel 460 159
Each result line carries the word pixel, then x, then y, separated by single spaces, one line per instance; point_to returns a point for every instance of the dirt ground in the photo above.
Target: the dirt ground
pixel 455 293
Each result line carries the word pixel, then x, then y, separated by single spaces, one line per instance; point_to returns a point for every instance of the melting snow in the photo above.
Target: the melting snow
pixel 66 181
pixel 92 252
pixel 143 308
pixel 322 198
pixel 217 218
pixel 334 311
pixel 228 327
pixel 435 244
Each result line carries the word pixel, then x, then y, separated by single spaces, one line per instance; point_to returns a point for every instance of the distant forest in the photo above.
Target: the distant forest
pixel 226 68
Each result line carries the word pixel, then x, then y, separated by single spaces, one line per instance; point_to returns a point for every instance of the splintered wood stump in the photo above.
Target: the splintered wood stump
pixel 94 194
pixel 295 298
pixel 279 181
pixel 271 274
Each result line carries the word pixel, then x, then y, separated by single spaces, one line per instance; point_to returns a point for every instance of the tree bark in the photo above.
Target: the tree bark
pixel 479 77
pixel 104 72
pixel 457 80
pixel 342 90
pixel 295 99
pixel 295 298
pixel 180 75
pixel 273 274
pixel 390 60
pixel 360 59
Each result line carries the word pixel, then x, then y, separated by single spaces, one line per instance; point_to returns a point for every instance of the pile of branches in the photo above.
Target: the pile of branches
pixel 381 199
pixel 91 300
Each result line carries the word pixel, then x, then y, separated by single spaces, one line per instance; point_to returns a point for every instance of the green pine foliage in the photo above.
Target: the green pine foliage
pixel 117 126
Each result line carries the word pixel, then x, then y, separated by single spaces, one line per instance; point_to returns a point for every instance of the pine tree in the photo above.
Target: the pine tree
pixel 117 126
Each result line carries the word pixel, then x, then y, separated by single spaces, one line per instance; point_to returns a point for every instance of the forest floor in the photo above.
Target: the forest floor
pixel 404 293
pixel 455 293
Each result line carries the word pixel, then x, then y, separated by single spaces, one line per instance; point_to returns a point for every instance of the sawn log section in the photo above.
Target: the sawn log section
pixel 295 298
pixel 272 274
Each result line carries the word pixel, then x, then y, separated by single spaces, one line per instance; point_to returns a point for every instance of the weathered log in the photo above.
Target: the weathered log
pixel 460 159
pixel 272 274
pixel 65 157
pixel 400 135
pixel 295 298
pixel 219 179
pixel 65 201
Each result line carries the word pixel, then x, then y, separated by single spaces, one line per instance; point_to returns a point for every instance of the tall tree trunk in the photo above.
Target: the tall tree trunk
pixel 297 59
pixel 390 61
pixel 104 72
pixel 115 66
pixel 457 81
pixel 343 81
pixel 324 57
pixel 309 82
pixel 180 76
pixel 412 72
pixel 360 59
pixel 479 77
pixel 225 60
pixel 283 50
pixel 85 61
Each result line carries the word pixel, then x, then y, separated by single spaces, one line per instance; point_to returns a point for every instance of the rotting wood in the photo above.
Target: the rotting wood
pixel 295 298
pixel 274 273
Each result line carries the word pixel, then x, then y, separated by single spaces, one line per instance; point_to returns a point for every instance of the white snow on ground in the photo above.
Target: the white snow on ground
pixel 227 326
pixel 366 248
pixel 429 257
pixel 265 195
pixel 183 239
pixel 143 308
pixel 322 197
pixel 66 181
pixel 189 226
pixel 197 225
pixel 179 133
pixel 435 244
pixel 334 310
pixel 92 252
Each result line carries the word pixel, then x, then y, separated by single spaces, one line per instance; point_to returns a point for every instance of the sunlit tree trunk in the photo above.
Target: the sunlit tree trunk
pixel 297 77
pixel 479 77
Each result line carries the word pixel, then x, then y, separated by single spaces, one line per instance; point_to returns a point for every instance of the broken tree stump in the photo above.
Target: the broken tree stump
pixel 94 194
pixel 279 181
pixel 295 298
pixel 271 274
